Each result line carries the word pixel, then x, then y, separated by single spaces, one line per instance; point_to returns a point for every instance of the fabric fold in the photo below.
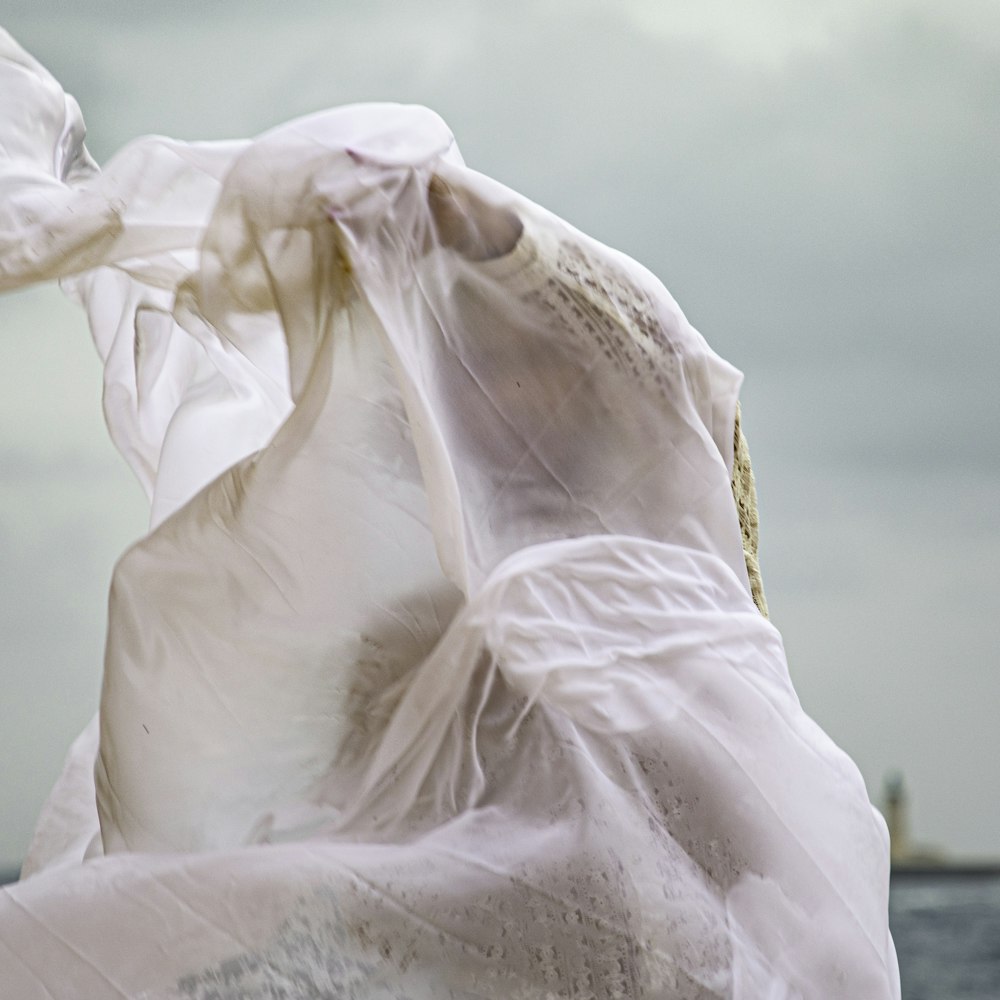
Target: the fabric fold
pixel 439 672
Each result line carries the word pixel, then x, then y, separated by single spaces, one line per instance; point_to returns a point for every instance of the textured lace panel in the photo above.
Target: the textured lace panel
pixel 745 493
pixel 312 956
pixel 602 304
pixel 575 938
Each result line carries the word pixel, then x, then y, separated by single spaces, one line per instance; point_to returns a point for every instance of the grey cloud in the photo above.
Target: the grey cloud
pixel 829 220
pixel 876 414
pixel 52 622
pixel 74 469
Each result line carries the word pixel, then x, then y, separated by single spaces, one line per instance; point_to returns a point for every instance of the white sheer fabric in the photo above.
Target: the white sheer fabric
pixel 438 674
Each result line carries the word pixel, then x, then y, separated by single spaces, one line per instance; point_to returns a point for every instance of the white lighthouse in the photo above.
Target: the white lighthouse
pixel 895 810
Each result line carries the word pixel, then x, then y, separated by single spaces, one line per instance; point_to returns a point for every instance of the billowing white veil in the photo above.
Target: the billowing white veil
pixel 438 674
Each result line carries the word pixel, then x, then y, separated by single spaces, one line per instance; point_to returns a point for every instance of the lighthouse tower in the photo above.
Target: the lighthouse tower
pixel 896 816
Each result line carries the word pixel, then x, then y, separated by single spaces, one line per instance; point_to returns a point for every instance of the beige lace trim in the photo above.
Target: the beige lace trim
pixel 745 494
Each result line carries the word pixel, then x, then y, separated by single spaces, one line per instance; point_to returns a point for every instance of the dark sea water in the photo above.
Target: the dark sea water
pixel 947 934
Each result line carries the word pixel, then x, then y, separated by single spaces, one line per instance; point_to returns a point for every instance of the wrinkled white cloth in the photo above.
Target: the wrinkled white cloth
pixel 438 673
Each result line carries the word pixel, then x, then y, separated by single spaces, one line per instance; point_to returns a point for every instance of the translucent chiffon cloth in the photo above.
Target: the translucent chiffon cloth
pixel 438 673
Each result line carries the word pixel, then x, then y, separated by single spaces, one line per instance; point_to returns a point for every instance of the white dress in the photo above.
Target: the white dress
pixel 438 674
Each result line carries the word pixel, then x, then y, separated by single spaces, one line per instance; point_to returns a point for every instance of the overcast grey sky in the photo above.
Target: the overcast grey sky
pixel 814 181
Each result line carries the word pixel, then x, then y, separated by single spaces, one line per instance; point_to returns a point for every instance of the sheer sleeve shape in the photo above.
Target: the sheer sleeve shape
pixel 438 673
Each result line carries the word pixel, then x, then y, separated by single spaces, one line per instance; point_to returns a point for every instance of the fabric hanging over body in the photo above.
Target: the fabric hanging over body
pixel 439 671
